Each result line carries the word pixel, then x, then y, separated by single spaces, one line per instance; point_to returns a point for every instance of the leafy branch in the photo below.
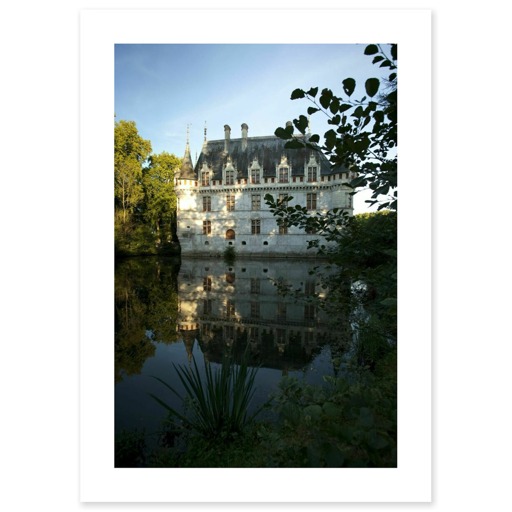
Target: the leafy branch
pixel 363 139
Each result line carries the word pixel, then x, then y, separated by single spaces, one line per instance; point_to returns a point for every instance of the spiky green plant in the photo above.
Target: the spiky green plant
pixel 218 402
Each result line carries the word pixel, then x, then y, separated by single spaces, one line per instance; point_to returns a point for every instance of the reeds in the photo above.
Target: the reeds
pixel 219 402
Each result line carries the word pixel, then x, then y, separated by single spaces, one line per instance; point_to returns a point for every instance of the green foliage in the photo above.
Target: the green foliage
pixel 218 402
pixel 130 153
pixel 364 134
pixel 351 422
pixel 160 199
pixel 145 202
pixel 130 449
pixel 146 300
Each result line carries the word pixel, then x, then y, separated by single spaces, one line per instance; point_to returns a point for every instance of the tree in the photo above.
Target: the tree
pixel 364 134
pixel 364 140
pixel 160 198
pixel 130 154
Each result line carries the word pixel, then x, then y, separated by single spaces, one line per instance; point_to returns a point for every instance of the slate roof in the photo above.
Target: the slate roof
pixel 268 151
pixel 187 169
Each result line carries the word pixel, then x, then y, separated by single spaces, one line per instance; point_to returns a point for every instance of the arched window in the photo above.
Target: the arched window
pixel 230 234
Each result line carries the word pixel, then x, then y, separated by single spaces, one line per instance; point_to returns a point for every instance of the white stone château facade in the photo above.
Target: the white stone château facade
pixel 221 200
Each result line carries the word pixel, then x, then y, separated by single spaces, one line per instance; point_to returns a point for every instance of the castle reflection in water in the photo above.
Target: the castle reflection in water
pixel 243 305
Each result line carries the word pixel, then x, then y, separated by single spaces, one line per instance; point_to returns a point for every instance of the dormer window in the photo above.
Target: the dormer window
pixel 283 174
pixel 205 175
pixel 229 173
pixel 283 171
pixel 312 169
pixel 255 172
pixel 230 177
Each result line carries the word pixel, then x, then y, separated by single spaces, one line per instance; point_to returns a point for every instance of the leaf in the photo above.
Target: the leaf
pixel 312 92
pixel 344 108
pixel 371 49
pixel 349 84
pixel 377 59
pixel 314 411
pixel 335 105
pixel 372 86
pixel 325 98
pixel 301 123
pixel 294 144
pixel 297 93
pixel 330 139
pixel 281 133
pixel 366 417
pixel 312 110
pixel 314 138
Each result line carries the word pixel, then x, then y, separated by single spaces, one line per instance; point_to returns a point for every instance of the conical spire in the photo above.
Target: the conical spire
pixel 187 169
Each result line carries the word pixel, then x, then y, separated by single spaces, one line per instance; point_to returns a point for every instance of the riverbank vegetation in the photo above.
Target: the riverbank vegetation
pixel 145 202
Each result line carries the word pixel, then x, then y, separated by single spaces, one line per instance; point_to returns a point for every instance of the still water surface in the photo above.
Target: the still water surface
pixel 170 311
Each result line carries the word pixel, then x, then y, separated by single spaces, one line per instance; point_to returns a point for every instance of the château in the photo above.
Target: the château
pixel 221 199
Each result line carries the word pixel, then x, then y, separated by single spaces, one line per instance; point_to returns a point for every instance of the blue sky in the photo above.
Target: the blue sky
pixel 164 88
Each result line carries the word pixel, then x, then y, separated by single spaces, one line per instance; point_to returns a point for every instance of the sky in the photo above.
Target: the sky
pixel 166 88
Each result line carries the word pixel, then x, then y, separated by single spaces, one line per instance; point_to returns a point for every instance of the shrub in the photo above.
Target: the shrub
pixel 219 402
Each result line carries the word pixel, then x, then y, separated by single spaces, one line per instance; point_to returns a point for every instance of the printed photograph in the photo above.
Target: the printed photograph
pixel 255 231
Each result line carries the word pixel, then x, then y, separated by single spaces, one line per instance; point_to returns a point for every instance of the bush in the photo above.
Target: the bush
pixel 219 402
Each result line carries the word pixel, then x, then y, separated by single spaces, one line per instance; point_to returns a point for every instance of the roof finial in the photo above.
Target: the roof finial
pixel 309 125
pixel 205 131
pixel 188 133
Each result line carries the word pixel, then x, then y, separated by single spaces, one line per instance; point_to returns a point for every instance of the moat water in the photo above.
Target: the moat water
pixel 171 311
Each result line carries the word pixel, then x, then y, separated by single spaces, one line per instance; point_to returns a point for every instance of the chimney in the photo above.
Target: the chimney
pixel 227 132
pixel 245 128
pixel 289 123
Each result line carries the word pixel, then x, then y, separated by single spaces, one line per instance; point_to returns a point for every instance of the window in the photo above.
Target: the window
pixel 255 285
pixel 207 284
pixel 283 228
pixel 311 173
pixel 311 201
pixel 207 204
pixel 230 202
pixel 205 178
pixel 207 227
pixel 283 174
pixel 309 312
pixel 230 309
pixel 255 309
pixel 207 306
pixel 255 175
pixel 281 311
pixel 282 199
pixel 256 202
pixel 230 177
pixel 309 288
pixel 255 226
